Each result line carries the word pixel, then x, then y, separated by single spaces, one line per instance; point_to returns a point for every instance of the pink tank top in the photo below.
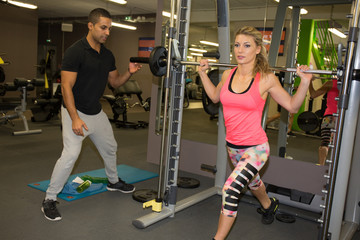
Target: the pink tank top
pixel 331 103
pixel 243 112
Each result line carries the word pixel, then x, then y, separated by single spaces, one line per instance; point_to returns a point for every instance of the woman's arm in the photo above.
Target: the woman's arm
pixel 211 90
pixel 291 103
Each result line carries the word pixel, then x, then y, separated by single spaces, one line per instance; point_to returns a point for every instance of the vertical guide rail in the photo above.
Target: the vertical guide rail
pixel 342 106
pixel 166 103
pixel 274 48
pixel 288 80
pixel 176 106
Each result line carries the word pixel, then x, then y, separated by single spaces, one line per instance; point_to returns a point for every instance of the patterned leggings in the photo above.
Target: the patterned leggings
pixel 327 124
pixel 247 163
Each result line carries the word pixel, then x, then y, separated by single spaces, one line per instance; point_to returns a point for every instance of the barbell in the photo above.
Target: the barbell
pixel 158 58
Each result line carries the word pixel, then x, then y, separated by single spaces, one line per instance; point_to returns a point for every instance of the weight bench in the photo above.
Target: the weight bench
pixel 120 106
pixel 23 85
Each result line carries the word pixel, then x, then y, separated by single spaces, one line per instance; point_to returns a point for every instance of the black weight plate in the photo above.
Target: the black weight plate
pixel 308 121
pixel 286 218
pixel 210 107
pixel 2 75
pixel 144 195
pixel 185 182
pixel 155 61
pixel 214 76
pixel 320 113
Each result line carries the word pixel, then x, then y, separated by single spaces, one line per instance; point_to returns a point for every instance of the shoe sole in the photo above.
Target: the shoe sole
pixel 53 220
pixel 118 190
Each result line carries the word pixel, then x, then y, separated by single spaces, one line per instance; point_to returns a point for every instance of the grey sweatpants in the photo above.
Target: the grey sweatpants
pixel 100 133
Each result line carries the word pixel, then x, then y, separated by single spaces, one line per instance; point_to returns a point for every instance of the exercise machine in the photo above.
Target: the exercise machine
pixel 332 186
pixel 119 104
pixel 23 85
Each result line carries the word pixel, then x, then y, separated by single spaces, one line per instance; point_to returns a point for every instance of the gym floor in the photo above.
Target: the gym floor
pixel 31 158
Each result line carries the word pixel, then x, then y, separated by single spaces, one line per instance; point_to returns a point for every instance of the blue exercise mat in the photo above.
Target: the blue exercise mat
pixel 127 173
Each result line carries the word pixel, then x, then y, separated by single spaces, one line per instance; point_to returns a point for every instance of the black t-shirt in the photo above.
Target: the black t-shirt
pixel 92 74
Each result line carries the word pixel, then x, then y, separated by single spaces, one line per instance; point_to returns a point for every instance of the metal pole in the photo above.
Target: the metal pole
pixel 223 16
pixel 288 80
pixel 342 106
pixel 276 69
pixel 166 102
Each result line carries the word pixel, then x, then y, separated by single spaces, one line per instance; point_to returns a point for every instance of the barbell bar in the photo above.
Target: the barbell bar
pixel 157 64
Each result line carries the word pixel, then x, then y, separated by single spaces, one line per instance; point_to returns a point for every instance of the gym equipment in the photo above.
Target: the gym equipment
pixel 286 218
pixel 348 102
pixel 2 75
pixel 119 105
pixel 23 85
pixel 211 108
pixel 128 173
pixel 2 72
pixel 144 195
pixel 186 182
pixel 308 121
pixel 158 64
pixel 47 108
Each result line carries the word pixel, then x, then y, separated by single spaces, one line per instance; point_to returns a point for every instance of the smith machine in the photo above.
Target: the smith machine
pixel 334 184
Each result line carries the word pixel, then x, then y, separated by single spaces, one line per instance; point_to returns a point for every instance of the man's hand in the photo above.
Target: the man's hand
pixel 134 67
pixel 78 125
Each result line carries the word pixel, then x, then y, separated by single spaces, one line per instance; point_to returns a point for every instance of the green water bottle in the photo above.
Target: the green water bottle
pixel 82 187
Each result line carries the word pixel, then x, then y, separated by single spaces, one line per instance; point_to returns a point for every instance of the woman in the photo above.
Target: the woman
pixel 243 92
pixel 328 121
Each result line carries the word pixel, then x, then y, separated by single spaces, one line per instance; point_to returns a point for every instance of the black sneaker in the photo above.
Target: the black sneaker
pixel 268 214
pixel 50 211
pixel 120 186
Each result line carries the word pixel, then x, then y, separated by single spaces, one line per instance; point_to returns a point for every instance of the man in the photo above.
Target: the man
pixel 87 67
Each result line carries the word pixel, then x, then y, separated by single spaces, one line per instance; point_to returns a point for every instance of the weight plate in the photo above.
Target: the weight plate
pixel 156 63
pixel 210 107
pixel 308 121
pixel 185 182
pixel 144 195
pixel 286 218
pixel 320 113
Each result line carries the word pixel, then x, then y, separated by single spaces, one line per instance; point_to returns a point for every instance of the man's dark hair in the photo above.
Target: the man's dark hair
pixel 97 13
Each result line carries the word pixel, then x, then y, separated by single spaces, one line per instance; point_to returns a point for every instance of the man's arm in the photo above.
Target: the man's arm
pixel 322 90
pixel 68 80
pixel 116 80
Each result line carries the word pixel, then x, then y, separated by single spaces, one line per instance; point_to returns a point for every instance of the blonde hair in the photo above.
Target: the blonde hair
pixel 261 61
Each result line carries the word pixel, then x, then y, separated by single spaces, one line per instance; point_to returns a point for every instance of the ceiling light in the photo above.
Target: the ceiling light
pixel 167 14
pixel 212 60
pixel 21 4
pixel 123 26
pixel 337 32
pixel 198 50
pixel 209 43
pixel 119 1
pixel 303 11
pixel 196 54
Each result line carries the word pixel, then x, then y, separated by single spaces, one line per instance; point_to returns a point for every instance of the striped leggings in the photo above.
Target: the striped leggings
pixel 247 163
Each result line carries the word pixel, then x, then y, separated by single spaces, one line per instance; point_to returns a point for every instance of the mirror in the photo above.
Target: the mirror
pixel 200 126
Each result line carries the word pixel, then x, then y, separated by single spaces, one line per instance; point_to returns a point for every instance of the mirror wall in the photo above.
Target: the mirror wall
pixel 200 126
